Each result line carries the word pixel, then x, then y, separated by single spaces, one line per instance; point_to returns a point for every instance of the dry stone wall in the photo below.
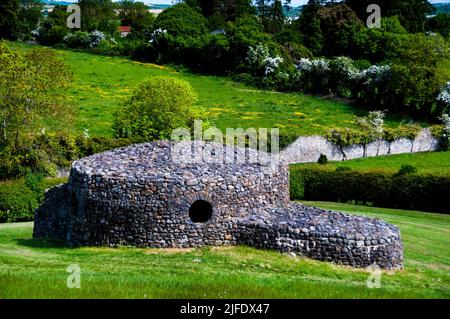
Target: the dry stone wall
pixel 323 235
pixel 139 196
pixel 308 149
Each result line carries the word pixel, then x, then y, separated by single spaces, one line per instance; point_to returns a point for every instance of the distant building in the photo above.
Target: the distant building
pixel 124 31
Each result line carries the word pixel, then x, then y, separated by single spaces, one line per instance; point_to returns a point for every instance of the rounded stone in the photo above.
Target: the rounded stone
pixel 167 194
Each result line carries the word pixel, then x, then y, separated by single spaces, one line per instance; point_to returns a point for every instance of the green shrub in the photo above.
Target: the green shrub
pixel 297 51
pixel 343 169
pixel 210 54
pixel 20 198
pixel 17 201
pixel 323 160
pixel 77 40
pixel 34 183
pixel 407 169
pixel 346 137
pixel 181 20
pixel 427 192
pixel 157 107
pixel 50 35
pixel 438 132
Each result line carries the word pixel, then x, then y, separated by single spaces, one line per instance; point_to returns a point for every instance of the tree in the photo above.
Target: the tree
pixel 157 107
pixel 411 13
pixel 32 89
pixel 181 20
pixel 246 32
pixel 263 8
pixel 334 19
pixel 276 18
pixel 9 19
pixel 375 45
pixel 28 17
pixel 136 15
pixel 272 14
pixel 309 25
pixel 440 24
pixel 53 29
pixel 229 10
pixel 415 79
pixel 96 13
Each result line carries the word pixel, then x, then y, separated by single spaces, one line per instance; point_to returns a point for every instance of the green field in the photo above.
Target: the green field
pixel 428 162
pixel 101 83
pixel 445 70
pixel 36 269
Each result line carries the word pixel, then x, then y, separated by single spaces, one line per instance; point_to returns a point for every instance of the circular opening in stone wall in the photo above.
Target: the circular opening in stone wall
pixel 200 211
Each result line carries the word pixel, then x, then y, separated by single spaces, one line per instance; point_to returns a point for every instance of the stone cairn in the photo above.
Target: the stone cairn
pixel 140 196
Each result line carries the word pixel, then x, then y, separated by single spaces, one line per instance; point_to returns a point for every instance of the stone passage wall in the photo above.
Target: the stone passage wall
pixel 51 220
pixel 309 148
pixel 323 235
pixel 138 196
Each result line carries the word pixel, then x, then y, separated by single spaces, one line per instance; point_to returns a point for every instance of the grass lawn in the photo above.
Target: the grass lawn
pixel 36 269
pixel 428 162
pixel 445 70
pixel 101 83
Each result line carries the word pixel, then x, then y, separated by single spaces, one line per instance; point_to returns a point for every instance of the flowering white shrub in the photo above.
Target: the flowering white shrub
pixel 318 66
pixel 272 64
pixel 304 65
pixel 77 39
pixel 156 34
pixel 82 39
pixel 444 95
pixel 95 37
pixel 445 118
pixel 343 66
pixel 376 121
pixel 376 74
pixel 260 57
pixel 257 55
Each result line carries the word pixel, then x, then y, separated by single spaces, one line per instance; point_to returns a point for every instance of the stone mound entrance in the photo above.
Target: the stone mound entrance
pixel 200 211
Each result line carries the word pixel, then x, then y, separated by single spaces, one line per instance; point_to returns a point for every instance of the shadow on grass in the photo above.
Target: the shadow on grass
pixel 41 243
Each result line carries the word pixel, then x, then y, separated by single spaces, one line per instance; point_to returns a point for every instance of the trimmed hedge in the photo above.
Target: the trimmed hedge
pixel 427 192
pixel 18 200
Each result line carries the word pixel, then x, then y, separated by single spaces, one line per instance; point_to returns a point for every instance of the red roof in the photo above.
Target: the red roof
pixel 124 29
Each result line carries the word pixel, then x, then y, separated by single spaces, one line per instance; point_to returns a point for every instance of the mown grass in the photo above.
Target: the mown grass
pixel 102 83
pixel 428 162
pixel 37 269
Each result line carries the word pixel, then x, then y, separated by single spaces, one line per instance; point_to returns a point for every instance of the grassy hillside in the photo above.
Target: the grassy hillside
pixel 101 83
pixel 36 269
pixel 435 162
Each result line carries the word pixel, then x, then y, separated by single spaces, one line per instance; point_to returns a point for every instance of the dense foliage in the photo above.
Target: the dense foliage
pixel 20 198
pixel 403 190
pixel 32 87
pixel 371 129
pixel 157 107
pixel 393 67
pixel 327 50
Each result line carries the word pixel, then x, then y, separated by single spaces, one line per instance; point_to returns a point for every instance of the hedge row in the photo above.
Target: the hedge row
pixel 20 198
pixel 426 192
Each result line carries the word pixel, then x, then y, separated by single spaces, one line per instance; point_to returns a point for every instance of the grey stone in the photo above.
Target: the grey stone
pixel 140 196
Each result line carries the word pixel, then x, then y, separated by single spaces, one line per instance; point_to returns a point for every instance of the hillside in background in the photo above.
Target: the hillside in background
pixel 442 7
pixel 289 11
